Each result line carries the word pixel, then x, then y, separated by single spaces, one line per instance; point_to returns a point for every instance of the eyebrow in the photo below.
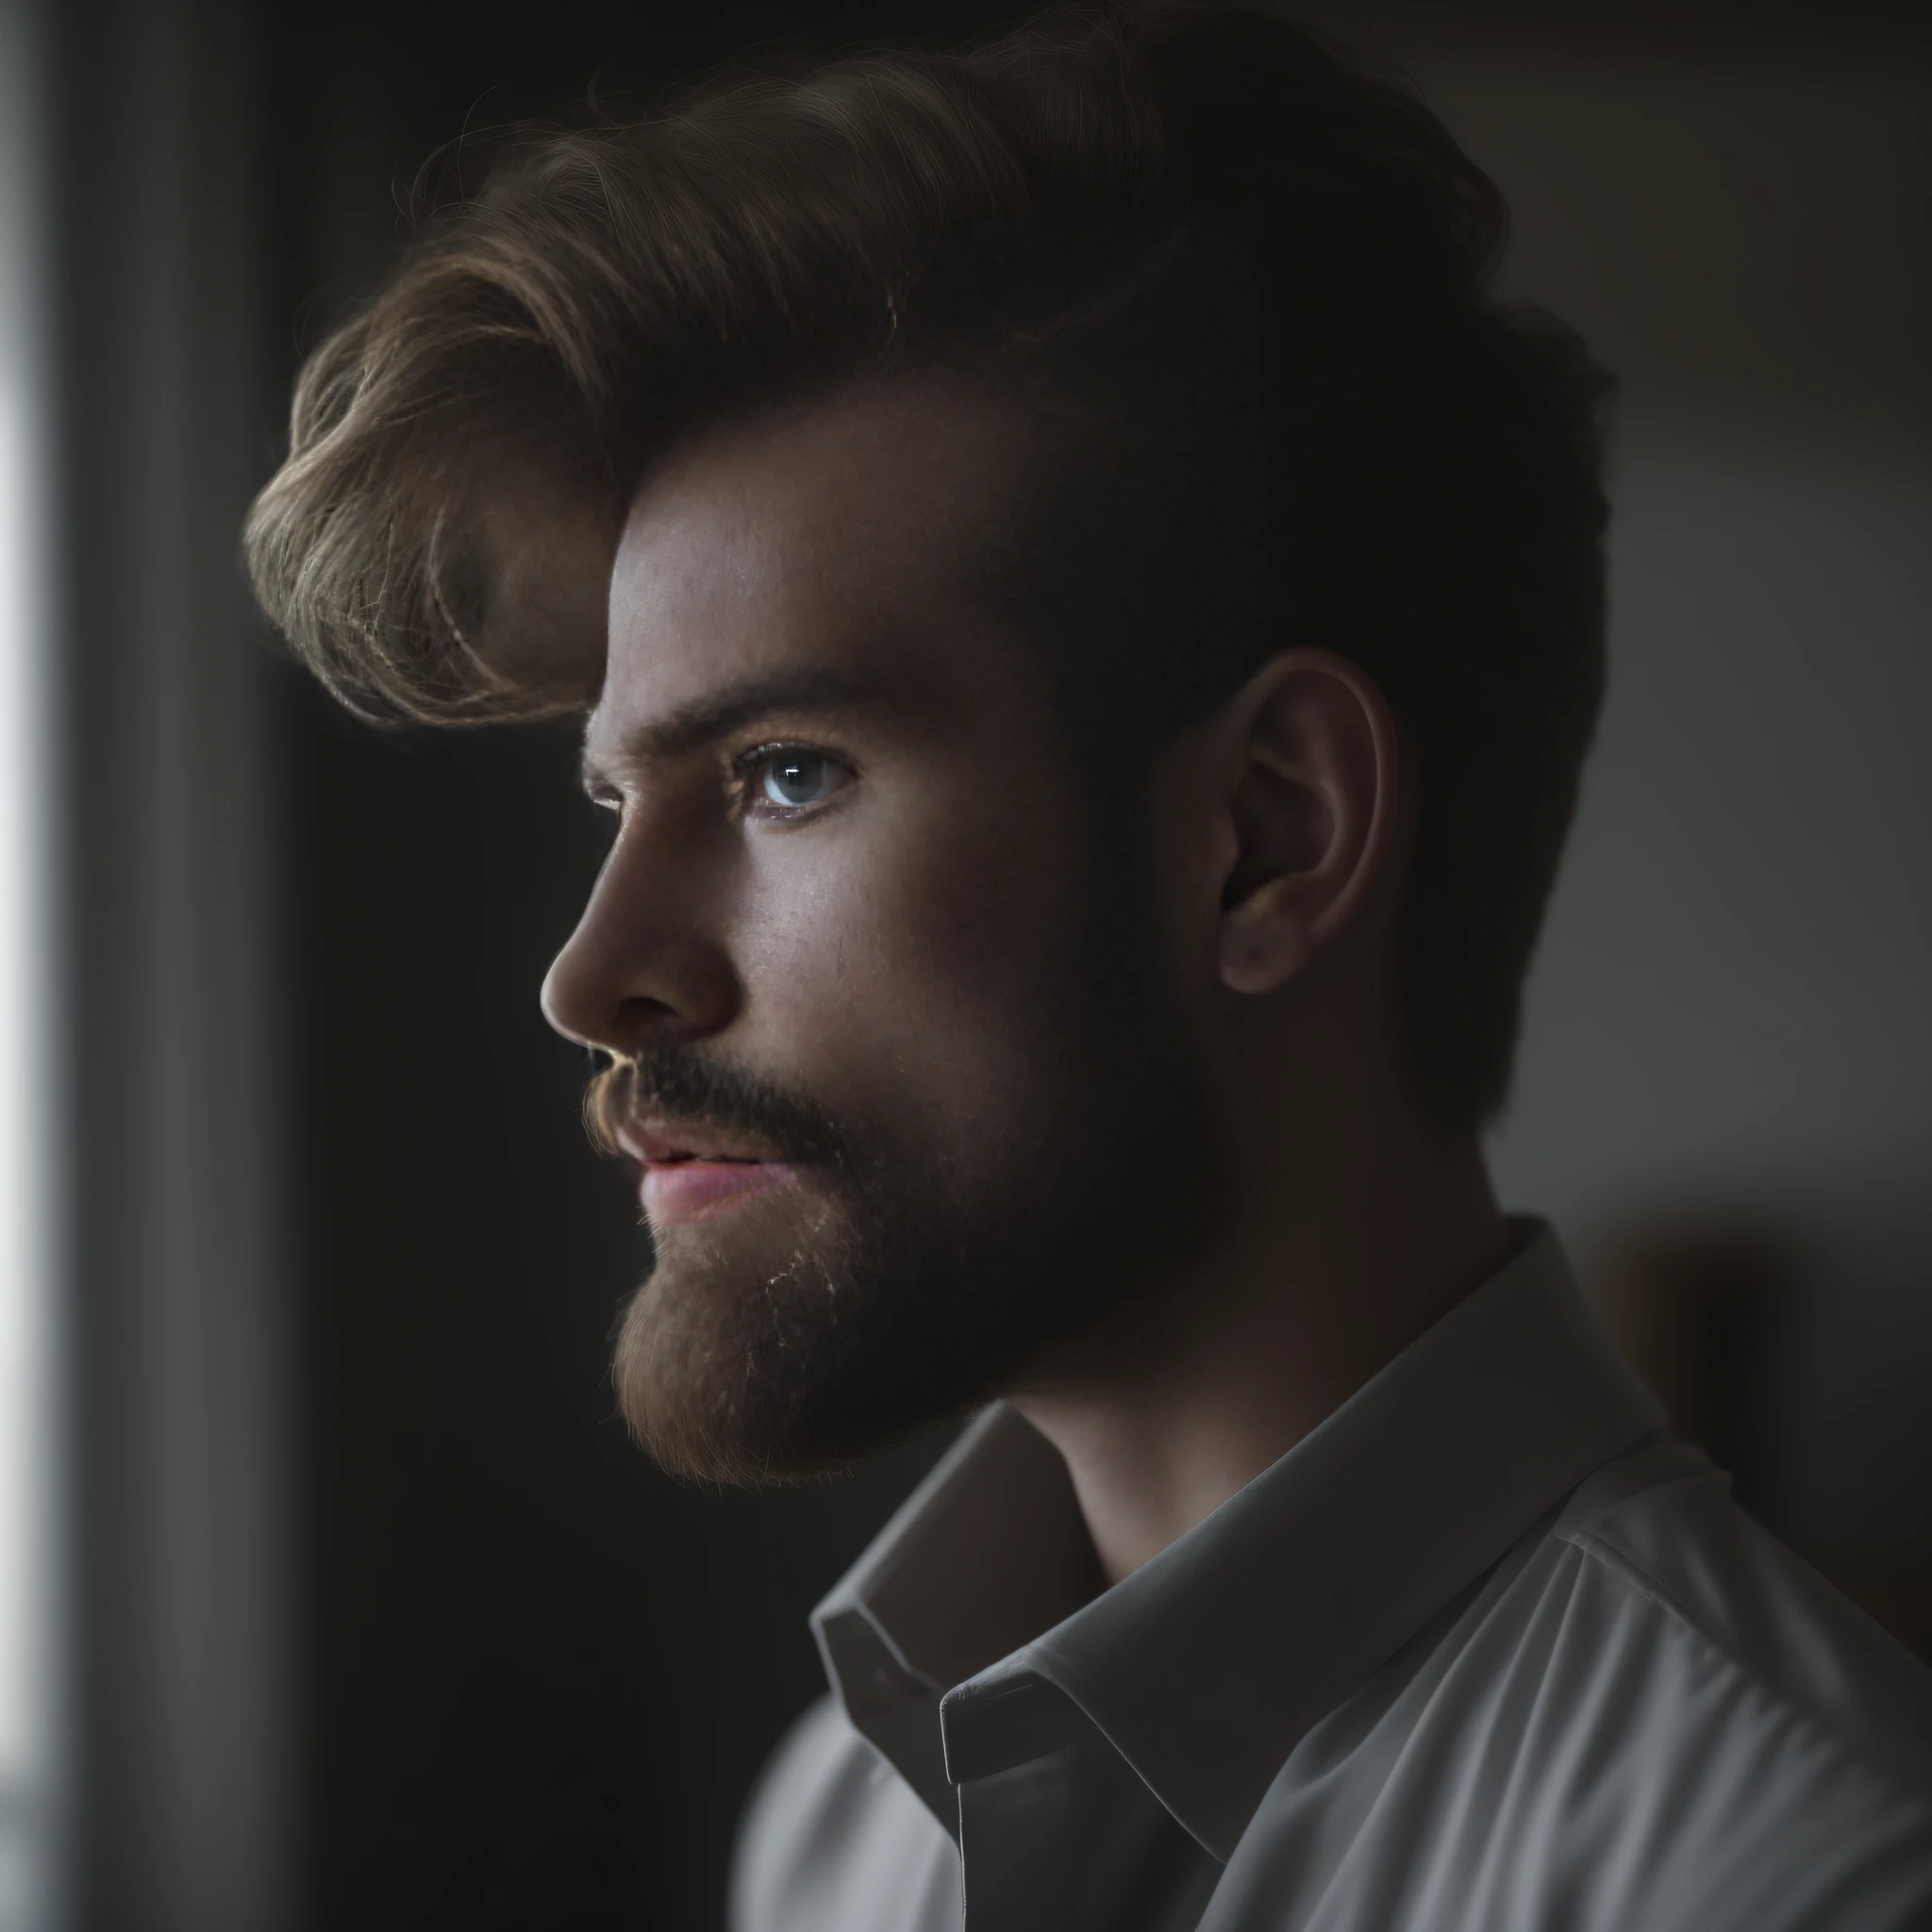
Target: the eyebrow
pixel 696 725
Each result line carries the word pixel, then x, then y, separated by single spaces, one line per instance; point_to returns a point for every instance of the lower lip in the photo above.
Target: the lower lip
pixel 692 1190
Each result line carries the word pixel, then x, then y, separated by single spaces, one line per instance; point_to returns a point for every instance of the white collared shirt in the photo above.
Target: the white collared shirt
pixel 1490 1648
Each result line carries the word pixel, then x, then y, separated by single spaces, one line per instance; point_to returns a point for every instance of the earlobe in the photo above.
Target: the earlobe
pixel 1310 801
pixel 1281 834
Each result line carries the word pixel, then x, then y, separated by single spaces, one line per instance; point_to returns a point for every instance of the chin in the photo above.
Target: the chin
pixel 819 1322
pixel 724 1361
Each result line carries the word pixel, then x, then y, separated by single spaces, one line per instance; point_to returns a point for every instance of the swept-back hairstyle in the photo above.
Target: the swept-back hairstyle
pixel 1242 286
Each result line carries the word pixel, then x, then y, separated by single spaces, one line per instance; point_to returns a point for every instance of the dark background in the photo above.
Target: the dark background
pixel 375 1618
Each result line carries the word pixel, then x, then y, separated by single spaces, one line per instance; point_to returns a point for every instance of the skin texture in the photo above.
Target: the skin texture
pixel 1076 1090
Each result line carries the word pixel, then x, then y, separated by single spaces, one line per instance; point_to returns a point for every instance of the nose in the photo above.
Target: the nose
pixel 639 965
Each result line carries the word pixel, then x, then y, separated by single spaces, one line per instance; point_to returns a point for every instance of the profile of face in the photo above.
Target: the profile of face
pixel 901 1045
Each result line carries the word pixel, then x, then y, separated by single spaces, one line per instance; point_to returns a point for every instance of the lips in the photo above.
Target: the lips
pixel 689 1170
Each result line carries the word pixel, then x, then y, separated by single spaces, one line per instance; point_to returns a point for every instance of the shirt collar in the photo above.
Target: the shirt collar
pixel 1205 1666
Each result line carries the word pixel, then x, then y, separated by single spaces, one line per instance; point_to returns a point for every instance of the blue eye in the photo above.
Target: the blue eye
pixel 794 777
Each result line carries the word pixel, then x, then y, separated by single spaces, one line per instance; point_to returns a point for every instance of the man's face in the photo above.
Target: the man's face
pixel 902 1058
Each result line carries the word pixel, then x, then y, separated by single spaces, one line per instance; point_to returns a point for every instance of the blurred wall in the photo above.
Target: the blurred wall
pixel 168 1100
pixel 1731 1018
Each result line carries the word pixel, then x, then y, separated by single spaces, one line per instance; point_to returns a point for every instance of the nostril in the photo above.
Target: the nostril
pixel 639 1018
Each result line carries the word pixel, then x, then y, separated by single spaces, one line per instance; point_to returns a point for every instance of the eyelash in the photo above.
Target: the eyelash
pixel 745 770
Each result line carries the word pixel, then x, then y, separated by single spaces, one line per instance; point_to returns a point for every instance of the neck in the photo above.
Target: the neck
pixel 1378 1238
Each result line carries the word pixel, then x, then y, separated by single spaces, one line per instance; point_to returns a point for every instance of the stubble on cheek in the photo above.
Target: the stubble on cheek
pixel 990 1216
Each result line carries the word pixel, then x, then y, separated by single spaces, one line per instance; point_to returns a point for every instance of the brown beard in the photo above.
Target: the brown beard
pixel 903 1291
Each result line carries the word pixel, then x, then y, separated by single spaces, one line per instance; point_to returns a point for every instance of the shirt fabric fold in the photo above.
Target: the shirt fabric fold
pixel 1489 1647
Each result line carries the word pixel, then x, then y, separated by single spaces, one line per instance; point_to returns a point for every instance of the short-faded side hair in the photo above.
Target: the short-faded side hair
pixel 1250 283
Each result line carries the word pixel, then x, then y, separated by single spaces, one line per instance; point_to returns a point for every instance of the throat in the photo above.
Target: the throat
pixel 1229 1372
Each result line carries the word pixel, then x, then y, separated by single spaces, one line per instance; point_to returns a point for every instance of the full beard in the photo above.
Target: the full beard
pixel 890 1285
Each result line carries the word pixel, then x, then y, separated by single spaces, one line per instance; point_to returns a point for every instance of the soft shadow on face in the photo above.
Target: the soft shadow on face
pixel 941 1009
pixel 888 1284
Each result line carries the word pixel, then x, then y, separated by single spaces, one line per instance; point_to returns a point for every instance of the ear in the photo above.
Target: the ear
pixel 1310 795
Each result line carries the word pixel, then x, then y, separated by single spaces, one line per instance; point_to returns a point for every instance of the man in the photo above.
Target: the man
pixel 1089 618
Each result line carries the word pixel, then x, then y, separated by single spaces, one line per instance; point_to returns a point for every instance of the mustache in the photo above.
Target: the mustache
pixel 682 1082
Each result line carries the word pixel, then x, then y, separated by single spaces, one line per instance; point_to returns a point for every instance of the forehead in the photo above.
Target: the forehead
pixel 853 535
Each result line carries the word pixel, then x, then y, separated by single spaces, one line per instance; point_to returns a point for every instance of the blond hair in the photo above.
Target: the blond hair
pixel 1261 277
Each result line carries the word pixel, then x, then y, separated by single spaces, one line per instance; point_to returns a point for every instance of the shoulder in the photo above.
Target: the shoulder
pixel 833 1840
pixel 1666 1548
pixel 1650 1714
